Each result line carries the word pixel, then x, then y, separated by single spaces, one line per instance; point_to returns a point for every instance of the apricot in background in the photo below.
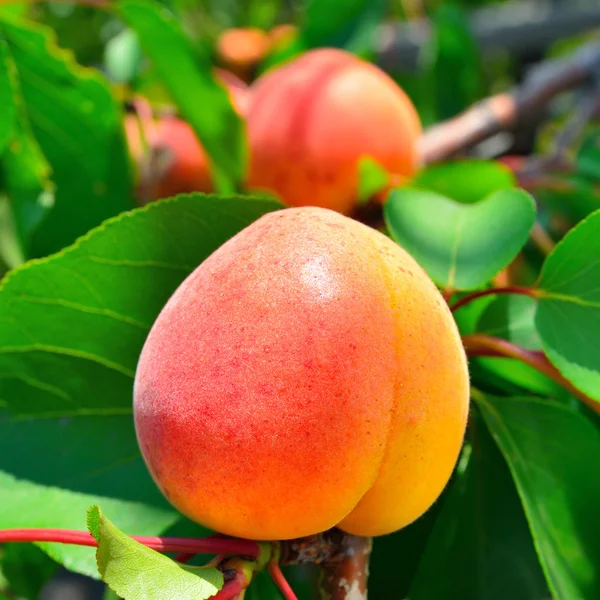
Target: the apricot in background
pixel 174 161
pixel 313 119
pixel 307 374
pixel 241 49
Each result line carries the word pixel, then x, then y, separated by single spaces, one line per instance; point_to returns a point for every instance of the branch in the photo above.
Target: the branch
pixel 343 557
pixel 487 345
pixel 502 111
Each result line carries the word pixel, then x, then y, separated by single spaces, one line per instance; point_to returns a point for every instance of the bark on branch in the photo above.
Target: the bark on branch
pixel 502 111
pixel 344 559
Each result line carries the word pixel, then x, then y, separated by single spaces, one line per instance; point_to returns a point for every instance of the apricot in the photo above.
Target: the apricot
pixel 313 119
pixel 307 374
pixel 175 162
pixel 240 49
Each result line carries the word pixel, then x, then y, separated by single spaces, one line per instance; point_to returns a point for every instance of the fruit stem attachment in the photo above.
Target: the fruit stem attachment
pixel 515 289
pixel 486 345
pixel 208 545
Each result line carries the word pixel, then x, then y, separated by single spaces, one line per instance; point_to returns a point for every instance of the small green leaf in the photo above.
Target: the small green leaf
pixel 551 451
pixel 134 571
pixel 480 547
pixel 568 315
pixel 123 56
pixel 511 317
pixel 189 78
pixel 372 178
pixel 461 246
pixel 466 181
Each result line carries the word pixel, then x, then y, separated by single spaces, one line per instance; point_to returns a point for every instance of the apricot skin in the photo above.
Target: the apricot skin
pixel 312 120
pixel 307 374
pixel 188 169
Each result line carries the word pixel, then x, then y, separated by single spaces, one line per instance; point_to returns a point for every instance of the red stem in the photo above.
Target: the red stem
pixel 281 581
pixel 209 545
pixel 486 345
pixel 184 557
pixel 526 291
pixel 232 589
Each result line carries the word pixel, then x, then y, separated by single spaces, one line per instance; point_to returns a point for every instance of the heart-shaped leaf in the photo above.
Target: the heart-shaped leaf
pixel 551 451
pixel 568 315
pixel 136 572
pixel 461 246
pixel 466 180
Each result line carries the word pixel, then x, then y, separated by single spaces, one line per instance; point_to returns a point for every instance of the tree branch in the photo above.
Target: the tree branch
pixel 344 559
pixel 502 111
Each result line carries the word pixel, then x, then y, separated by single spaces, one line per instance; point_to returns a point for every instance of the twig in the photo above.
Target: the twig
pixel 502 111
pixel 541 238
pixel 524 291
pixel 487 345
pixel 343 557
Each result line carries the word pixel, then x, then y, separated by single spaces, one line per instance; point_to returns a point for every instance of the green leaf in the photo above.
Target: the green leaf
pixel 25 169
pixel 511 317
pixel 467 181
pixel 123 56
pixel 372 178
pixel 8 116
pixel 480 547
pixel 134 571
pixel 550 450
pixel 67 463
pixel 588 157
pixel 451 63
pixel 405 547
pixel 78 126
pixel 262 13
pixel 26 569
pixel 461 246
pixel 568 315
pixel 349 24
pixel 523 376
pixel 201 99
pixel 71 330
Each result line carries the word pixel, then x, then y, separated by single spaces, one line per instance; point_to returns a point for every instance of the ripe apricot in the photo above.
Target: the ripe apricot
pixel 175 162
pixel 307 374
pixel 312 120
pixel 240 49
